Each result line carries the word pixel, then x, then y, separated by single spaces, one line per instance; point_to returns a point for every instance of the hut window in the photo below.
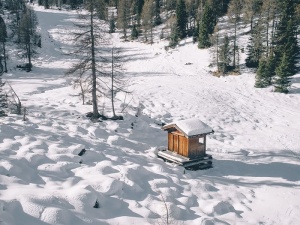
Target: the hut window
pixel 201 140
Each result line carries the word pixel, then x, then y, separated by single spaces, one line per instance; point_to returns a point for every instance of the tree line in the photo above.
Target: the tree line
pixel 272 49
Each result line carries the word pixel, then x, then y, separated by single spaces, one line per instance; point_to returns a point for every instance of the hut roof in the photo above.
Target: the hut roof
pixel 190 127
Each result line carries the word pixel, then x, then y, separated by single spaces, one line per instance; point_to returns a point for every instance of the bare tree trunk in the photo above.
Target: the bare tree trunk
pixel 94 75
pixel 4 57
pixel 112 82
pixel 234 43
pixel 82 91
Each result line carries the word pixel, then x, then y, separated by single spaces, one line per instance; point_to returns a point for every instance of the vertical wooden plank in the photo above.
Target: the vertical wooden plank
pixel 181 145
pixel 176 143
pixel 170 141
pixel 204 144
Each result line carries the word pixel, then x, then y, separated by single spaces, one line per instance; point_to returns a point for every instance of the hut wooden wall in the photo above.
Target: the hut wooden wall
pixel 195 148
pixel 187 147
pixel 178 143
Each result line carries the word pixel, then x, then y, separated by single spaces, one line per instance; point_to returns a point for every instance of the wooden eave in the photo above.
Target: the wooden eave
pixel 173 127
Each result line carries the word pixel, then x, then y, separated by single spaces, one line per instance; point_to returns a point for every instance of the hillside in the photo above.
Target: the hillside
pixel 256 145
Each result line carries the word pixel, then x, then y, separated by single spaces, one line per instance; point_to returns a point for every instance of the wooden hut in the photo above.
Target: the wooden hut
pixel 187 142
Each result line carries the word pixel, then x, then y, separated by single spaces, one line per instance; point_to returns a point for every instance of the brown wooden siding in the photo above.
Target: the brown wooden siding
pixel 170 141
pixel 176 145
pixel 183 146
pixel 195 148
pixel 189 147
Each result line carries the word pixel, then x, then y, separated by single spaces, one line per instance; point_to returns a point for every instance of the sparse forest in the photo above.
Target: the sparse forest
pixel 273 29
pixel 110 110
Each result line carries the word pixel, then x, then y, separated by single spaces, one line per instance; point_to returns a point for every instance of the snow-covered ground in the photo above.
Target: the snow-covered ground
pixel 255 177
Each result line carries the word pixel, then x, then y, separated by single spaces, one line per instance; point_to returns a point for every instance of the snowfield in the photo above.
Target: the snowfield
pixel 255 177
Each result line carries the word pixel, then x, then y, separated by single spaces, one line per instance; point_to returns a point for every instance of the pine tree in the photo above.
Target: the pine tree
pixel 255 46
pixel 251 9
pixel 28 36
pixel 134 32
pixel 215 40
pixel 234 14
pixel 123 17
pixel 206 27
pixel 112 24
pixel 224 56
pixel 181 19
pixel 174 37
pixel 46 4
pixel 3 39
pixel 261 74
pixel 282 81
pixel 157 18
pixel 285 40
pixel 147 17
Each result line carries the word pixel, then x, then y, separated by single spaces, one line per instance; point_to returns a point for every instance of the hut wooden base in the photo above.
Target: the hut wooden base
pixel 203 162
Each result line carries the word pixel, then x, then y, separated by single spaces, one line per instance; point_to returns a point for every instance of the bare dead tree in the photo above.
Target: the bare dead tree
pixel 88 42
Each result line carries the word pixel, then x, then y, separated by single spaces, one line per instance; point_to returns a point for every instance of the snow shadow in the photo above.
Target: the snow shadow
pixel 288 172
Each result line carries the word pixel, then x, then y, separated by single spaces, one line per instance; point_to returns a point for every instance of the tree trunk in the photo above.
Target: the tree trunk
pixel 234 43
pixel 112 82
pixel 267 29
pixel 4 57
pixel 94 75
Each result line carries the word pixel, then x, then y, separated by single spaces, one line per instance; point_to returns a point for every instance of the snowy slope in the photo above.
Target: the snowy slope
pixel 256 144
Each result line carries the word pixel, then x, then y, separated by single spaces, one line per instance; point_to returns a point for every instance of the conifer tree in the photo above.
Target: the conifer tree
pixel 174 37
pixel 215 40
pixel 224 56
pixel 255 46
pixel 112 24
pixel 285 40
pixel 123 16
pixel 206 27
pixel 181 19
pixel 157 18
pixel 3 39
pixel 234 13
pixel 251 9
pixel 28 36
pixel 282 81
pixel 260 78
pixel 147 17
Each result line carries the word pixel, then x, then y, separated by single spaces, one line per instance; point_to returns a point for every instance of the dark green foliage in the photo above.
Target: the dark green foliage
pixel 181 19
pixel 206 27
pixel 285 40
pixel 97 205
pixel 157 18
pixel 3 39
pixel 196 33
pixel 174 37
pixel 28 38
pixel 123 16
pixel 261 74
pixel 112 24
pixel 134 32
pixel 282 81
pixel 137 8
pixel 46 4
pixel 255 47
pixel 224 56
